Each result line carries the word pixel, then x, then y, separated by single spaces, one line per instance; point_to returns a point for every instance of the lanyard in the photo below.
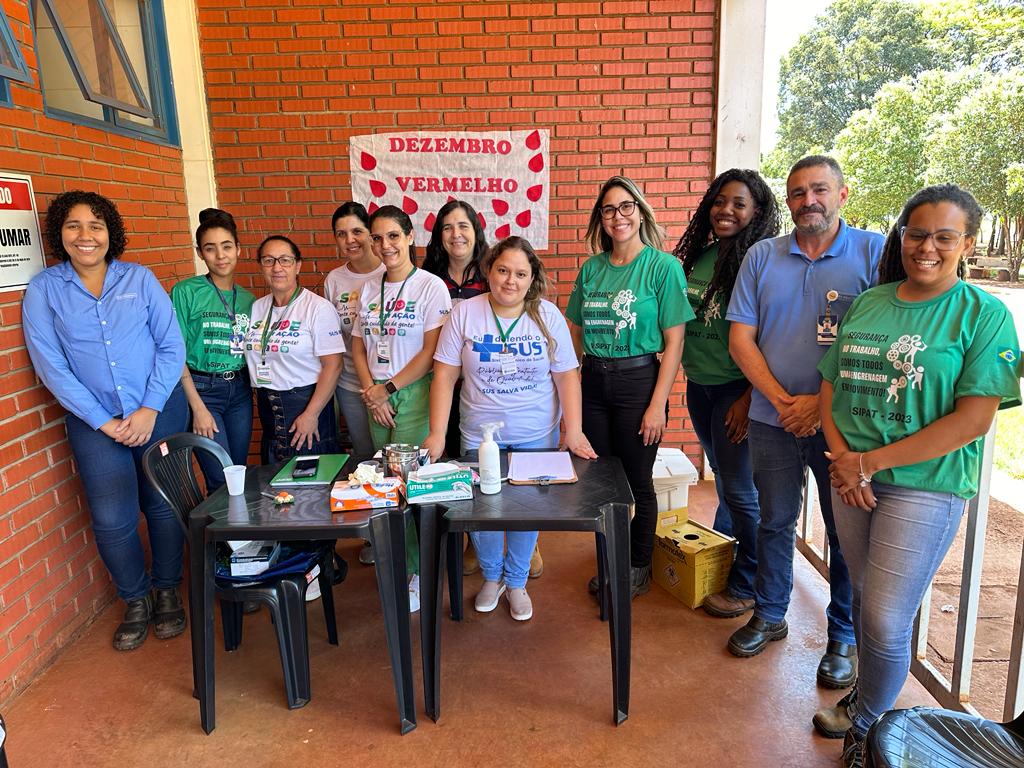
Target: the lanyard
pixel 385 315
pixel 266 323
pixel 504 334
pixel 234 299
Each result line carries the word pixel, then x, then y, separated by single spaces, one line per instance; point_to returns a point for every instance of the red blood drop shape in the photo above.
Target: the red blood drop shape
pixel 523 218
pixel 378 188
pixel 533 193
pixel 483 221
pixel 409 205
pixel 533 140
pixel 373 207
pixel 500 206
pixel 429 223
pixel 367 161
pixel 450 198
pixel 536 163
pixel 503 231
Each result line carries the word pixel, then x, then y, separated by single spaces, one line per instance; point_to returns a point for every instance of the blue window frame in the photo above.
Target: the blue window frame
pixel 12 63
pixel 106 63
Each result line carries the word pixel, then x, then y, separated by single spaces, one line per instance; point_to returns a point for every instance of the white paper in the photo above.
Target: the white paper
pixel 545 465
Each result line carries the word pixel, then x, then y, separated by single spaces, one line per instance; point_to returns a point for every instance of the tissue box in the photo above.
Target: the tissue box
pixel 254 557
pixel 455 485
pixel 346 498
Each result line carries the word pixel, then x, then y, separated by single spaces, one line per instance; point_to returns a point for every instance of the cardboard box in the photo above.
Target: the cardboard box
pixel 347 498
pixel 692 562
pixel 669 519
pixel 254 557
pixel 673 475
pixel 450 486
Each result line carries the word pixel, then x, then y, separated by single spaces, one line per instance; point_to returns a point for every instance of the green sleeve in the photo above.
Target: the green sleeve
pixel 673 305
pixel 990 362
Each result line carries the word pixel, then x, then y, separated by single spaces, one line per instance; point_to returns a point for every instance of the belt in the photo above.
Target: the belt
pixel 618 363
pixel 226 375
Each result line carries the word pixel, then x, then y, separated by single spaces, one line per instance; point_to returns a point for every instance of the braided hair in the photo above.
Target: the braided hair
pixel 699 234
pixel 890 267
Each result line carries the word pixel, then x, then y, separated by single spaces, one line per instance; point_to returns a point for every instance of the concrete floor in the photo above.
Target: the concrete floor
pixel 533 694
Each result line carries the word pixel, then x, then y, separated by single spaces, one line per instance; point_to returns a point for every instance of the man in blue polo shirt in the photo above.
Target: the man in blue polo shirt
pixel 790 295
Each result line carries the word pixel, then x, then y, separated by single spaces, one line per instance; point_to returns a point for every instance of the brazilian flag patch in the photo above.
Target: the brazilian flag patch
pixel 1009 355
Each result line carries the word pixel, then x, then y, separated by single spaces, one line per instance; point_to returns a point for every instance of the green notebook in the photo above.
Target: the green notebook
pixel 329 467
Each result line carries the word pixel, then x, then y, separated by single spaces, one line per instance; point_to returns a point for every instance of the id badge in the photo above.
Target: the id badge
pixel 507 361
pixel 826 330
pixel 383 351
pixel 237 344
pixel 263 375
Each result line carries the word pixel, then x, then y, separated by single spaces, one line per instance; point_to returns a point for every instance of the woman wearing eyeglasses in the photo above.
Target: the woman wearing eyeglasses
pixel 628 307
pixel 913 382
pixel 293 351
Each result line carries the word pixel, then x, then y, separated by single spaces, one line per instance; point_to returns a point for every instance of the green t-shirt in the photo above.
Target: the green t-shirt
pixel 206 324
pixel 706 358
pixel 898 366
pixel 624 310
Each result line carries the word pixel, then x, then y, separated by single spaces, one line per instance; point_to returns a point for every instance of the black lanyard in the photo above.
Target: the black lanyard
pixel 234 300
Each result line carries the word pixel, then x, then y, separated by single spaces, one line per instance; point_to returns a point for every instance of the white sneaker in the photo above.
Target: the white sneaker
pixel 487 597
pixel 414 593
pixel 519 604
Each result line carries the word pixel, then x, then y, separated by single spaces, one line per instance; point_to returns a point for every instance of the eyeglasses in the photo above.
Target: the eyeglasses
pixel 944 239
pixel 270 261
pixel 625 208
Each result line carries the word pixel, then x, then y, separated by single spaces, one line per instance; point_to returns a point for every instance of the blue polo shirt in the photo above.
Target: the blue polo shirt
pixel 782 293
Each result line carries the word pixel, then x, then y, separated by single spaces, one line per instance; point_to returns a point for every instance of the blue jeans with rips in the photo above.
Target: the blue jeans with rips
pixel 116 489
pixel 893 552
pixel 780 459
pixel 738 512
pixel 230 404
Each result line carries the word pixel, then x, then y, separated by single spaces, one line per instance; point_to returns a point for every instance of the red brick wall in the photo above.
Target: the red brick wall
pixel 624 87
pixel 52 581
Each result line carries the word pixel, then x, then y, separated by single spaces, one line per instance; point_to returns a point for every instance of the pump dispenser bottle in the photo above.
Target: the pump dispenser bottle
pixel 490 460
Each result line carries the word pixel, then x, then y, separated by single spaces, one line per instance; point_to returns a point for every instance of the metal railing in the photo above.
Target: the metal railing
pixel 954 693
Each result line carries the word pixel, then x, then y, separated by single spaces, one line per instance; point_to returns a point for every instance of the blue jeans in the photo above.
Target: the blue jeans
pixel 738 513
pixel 230 404
pixel 116 489
pixel 779 460
pixel 278 409
pixel 357 421
pixel 893 553
pixel 511 564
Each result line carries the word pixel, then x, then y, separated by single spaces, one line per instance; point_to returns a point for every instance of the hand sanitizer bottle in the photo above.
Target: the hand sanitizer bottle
pixel 490 461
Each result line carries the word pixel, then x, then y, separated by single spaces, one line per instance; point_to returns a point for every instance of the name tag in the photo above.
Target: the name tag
pixel 507 361
pixel 384 351
pixel 263 375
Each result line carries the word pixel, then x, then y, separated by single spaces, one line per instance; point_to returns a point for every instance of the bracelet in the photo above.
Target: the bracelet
pixel 865 479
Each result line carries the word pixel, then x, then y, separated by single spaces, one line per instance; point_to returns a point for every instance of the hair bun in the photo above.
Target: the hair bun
pixel 216 215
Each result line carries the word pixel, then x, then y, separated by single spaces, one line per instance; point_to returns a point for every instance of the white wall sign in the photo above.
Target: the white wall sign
pixel 21 246
pixel 502 174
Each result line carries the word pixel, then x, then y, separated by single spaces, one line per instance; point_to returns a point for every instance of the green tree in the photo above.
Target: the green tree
pixel 882 149
pixel 987 34
pixel 981 147
pixel 854 48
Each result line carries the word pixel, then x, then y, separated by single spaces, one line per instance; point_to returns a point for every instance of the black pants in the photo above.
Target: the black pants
pixel 613 409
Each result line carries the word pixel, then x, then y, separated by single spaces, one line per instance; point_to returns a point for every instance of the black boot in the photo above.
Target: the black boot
pixel 132 631
pixel 168 613
pixel 639 580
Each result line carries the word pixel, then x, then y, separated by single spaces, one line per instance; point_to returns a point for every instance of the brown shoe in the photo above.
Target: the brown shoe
pixel 470 563
pixel 722 605
pixel 834 722
pixel 536 563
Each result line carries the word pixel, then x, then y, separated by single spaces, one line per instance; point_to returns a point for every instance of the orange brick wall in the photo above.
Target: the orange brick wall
pixel 624 87
pixel 52 581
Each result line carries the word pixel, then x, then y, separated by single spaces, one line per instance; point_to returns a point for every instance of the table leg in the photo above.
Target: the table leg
pixel 387 532
pixel 454 561
pixel 616 524
pixel 432 553
pixel 602 589
pixel 202 554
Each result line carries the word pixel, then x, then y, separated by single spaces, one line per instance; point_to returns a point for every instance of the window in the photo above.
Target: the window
pixel 12 63
pixel 104 62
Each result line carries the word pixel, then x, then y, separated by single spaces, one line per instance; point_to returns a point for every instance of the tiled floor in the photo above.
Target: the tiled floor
pixel 526 694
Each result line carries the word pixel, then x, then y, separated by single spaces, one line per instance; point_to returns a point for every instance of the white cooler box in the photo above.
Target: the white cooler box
pixel 673 476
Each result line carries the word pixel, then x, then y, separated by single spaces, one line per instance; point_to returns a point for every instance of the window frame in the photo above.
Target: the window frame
pixel 19 73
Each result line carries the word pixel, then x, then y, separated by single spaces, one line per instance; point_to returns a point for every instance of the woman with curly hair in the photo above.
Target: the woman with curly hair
pixel 906 449
pixel 737 210
pixel 104 340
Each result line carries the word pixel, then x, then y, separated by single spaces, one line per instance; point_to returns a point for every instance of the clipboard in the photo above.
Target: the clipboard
pixel 541 468
pixel 328 468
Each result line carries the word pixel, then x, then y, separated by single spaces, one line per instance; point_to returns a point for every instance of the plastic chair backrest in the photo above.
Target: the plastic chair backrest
pixel 168 465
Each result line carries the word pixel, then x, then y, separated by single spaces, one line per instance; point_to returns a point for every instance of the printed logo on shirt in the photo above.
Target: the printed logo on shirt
pixel 713 311
pixel 521 346
pixel 126 296
pixel 407 307
pixel 1009 355
pixel 621 305
pixel 901 354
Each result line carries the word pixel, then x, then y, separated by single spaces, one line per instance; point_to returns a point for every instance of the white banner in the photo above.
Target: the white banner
pixel 502 174
pixel 21 247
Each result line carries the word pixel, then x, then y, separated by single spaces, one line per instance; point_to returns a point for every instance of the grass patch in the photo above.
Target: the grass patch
pixel 1009 452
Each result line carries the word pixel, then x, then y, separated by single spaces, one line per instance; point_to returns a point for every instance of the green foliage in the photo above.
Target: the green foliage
pixel 987 34
pixel 855 48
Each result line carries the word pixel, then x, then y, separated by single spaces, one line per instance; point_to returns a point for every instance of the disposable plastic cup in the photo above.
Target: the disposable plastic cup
pixel 234 476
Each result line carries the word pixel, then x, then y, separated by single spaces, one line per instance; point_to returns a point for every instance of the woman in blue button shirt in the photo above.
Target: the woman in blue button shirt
pixel 103 339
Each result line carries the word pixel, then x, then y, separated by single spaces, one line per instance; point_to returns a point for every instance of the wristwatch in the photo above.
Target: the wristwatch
pixel 389 387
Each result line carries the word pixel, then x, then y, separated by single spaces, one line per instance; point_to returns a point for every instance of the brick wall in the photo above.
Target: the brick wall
pixel 624 87
pixel 52 581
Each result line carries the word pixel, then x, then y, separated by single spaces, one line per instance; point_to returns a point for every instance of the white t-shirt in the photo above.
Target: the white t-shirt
pixel 527 400
pixel 343 288
pixel 302 332
pixel 423 306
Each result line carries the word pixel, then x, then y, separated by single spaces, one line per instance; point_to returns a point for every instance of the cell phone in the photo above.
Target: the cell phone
pixel 306 467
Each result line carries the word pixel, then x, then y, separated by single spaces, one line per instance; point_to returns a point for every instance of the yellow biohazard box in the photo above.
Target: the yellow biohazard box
pixel 692 561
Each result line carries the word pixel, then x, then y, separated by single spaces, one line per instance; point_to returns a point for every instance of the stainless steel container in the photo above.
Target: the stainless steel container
pixel 400 459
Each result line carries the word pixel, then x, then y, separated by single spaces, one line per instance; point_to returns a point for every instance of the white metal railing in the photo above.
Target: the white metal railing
pixel 954 693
